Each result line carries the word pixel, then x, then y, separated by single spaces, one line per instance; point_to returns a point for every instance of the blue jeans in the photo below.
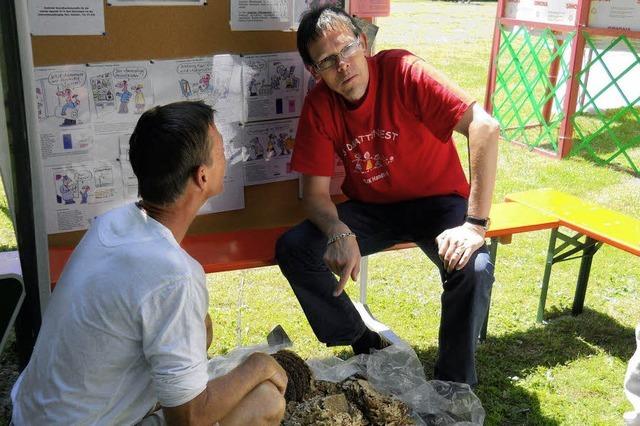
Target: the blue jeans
pixel 335 321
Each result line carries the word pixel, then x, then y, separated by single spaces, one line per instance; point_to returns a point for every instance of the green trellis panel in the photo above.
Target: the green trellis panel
pixel 611 135
pixel 523 88
pixel 523 85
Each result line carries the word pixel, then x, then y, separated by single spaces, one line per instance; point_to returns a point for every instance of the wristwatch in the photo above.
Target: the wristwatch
pixel 478 221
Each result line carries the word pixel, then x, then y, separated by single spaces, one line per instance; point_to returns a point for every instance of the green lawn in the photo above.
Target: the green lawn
pixel 566 371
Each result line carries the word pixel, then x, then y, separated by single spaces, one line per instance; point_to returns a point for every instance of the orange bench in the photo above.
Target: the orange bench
pixel 596 224
pixel 250 248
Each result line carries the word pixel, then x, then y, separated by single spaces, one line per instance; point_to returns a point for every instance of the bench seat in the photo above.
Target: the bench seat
pixel 593 225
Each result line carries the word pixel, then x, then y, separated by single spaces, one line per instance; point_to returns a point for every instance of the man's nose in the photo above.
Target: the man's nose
pixel 342 64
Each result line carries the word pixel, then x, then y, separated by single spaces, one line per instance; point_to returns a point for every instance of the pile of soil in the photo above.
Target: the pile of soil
pixel 352 402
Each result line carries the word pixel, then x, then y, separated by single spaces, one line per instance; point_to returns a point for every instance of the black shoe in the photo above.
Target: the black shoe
pixel 368 341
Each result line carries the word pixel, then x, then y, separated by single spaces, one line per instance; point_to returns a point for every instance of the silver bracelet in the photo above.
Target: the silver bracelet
pixel 339 237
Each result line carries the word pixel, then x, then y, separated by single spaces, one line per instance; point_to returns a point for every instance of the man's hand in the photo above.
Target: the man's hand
pixel 271 370
pixel 456 245
pixel 343 259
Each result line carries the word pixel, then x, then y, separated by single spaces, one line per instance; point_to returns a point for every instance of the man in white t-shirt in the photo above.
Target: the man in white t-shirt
pixel 124 332
pixel 632 385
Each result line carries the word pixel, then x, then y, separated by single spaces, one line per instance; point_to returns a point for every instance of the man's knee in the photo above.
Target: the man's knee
pixel 478 272
pixel 272 403
pixel 296 242
pixel 286 244
pixel 482 265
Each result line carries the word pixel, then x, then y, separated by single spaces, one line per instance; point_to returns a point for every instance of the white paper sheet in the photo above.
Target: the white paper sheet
pixel 267 151
pixel 274 15
pixel 156 2
pixel 66 17
pixel 216 80
pixel 77 192
pixel 273 86
pixel 620 14
pixel 120 93
pixel 232 196
pixel 249 15
pixel 64 121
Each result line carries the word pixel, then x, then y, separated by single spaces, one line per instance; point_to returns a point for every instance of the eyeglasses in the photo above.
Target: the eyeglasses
pixel 330 61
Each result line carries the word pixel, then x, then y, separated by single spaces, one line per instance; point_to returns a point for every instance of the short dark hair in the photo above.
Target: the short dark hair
pixel 316 22
pixel 168 144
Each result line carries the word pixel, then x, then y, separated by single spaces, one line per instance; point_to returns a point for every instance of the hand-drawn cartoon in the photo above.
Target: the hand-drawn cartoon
pixel 70 107
pixel 125 97
pixel 271 147
pixel 255 151
pixel 84 194
pixel 66 190
pixel 283 144
pixel 291 81
pixel 101 90
pixel 138 98
pixel 204 84
pixel 253 87
pixel 185 88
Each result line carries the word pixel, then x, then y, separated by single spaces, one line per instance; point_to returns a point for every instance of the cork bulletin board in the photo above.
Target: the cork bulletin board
pixel 150 32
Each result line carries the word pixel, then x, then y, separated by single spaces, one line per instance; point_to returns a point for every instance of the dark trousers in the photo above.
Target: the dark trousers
pixel 335 321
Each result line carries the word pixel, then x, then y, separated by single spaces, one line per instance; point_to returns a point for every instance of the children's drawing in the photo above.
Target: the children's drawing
pixel 84 185
pixel 138 98
pixel 102 92
pixel 120 92
pixel 124 96
pixel 61 97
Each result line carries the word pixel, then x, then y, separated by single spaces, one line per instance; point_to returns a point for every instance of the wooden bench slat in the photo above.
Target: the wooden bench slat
pixel 251 248
pixel 514 218
pixel 590 219
pixel 227 251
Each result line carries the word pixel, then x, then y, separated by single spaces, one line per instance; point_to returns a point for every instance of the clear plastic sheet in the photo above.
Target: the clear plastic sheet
pixel 395 370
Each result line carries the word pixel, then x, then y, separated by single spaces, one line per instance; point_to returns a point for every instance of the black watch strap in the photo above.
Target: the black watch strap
pixel 478 221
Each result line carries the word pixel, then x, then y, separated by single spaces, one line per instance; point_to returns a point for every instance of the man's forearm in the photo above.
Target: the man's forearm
pixel 322 212
pixel 225 392
pixel 220 396
pixel 483 158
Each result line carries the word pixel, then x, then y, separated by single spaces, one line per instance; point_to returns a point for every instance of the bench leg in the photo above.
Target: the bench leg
pixel 583 276
pixel 493 253
pixel 364 270
pixel 547 274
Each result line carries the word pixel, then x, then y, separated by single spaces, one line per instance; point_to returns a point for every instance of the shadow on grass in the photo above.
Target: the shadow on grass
pixel 502 360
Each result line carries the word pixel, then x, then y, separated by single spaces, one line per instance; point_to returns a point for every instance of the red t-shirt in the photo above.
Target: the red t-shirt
pixel 396 145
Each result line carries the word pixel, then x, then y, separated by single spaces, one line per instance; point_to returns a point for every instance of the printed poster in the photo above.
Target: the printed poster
pixel 64 118
pixel 66 17
pixel 232 196
pixel 120 93
pixel 78 192
pixel 267 151
pixel 273 86
pixel 215 80
pixel 274 15
pixel 618 14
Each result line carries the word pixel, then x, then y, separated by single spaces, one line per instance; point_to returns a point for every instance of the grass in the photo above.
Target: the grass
pixel 7 235
pixel 567 371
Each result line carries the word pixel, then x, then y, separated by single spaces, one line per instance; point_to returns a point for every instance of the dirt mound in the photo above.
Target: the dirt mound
pixel 352 402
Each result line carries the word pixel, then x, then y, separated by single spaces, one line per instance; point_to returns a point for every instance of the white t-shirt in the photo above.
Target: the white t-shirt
pixel 124 329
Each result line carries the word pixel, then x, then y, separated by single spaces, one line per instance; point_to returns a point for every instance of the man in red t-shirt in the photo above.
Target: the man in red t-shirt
pixel 390 119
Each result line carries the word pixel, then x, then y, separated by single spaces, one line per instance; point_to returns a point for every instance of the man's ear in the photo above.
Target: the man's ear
pixel 313 72
pixel 200 177
pixel 364 41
